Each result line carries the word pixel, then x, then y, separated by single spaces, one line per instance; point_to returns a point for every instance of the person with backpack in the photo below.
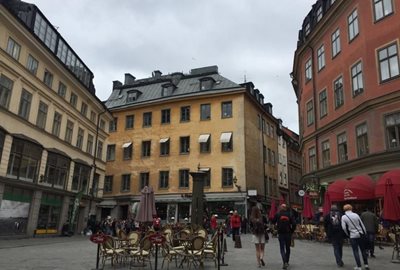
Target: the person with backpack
pixel 258 238
pixel 335 233
pixel 285 226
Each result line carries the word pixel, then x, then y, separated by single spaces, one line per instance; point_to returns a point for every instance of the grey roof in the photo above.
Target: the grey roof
pixel 187 85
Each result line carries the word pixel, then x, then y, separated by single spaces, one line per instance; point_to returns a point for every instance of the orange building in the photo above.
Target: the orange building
pixel 346 79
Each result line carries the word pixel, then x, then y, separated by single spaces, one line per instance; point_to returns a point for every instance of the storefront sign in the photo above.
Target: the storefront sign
pixel 313 194
pixel 98 238
pixel 301 193
pixel 252 192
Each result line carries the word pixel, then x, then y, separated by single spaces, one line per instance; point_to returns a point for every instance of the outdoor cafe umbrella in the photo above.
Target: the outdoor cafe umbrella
pixel 394 176
pixel 272 211
pixel 391 204
pixel 307 207
pixel 327 203
pixel 147 208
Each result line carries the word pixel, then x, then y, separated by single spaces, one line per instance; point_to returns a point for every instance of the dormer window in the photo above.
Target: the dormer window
pixel 132 96
pixel 206 83
pixel 307 29
pixel 167 89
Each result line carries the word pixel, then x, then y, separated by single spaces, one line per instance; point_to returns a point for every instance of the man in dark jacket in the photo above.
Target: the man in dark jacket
pixel 286 225
pixel 334 232
pixel 370 221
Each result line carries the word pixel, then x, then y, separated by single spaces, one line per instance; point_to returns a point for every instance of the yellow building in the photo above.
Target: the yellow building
pixel 52 128
pixel 166 126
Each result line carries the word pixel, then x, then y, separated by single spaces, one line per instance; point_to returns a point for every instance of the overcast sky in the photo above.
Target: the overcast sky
pixel 252 39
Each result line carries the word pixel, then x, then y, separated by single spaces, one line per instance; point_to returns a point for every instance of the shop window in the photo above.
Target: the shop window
pixel 57 170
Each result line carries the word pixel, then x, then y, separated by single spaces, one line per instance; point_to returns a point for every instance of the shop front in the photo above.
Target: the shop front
pixel 49 214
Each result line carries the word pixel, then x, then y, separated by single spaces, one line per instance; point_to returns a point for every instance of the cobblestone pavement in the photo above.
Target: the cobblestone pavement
pixel 78 252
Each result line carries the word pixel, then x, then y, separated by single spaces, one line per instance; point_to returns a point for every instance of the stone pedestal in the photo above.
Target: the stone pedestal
pixel 198 198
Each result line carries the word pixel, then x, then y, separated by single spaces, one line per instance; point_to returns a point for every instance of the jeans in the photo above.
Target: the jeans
pixel 284 244
pixel 355 244
pixel 235 231
pixel 338 250
pixel 371 243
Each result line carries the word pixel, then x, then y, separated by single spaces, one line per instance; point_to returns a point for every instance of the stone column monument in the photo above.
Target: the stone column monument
pixel 197 197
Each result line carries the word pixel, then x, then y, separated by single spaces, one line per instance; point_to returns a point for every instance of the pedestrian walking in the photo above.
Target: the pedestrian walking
pixel 334 232
pixel 228 224
pixel 213 224
pixel 285 226
pixel 355 229
pixel 258 237
pixel 371 223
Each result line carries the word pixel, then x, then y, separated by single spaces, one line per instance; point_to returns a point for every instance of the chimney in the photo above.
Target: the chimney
pixel 156 74
pixel 116 84
pixel 268 107
pixel 129 79
pixel 176 77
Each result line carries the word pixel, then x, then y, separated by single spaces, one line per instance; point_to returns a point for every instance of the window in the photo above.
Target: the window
pixel 73 100
pixel 146 148
pixel 57 170
pixel 126 182
pixel 362 140
pixel 388 62
pixel 129 121
pixel 165 116
pixel 227 177
pixel 25 104
pixel 205 112
pixel 164 147
pixel 185 113
pixel 312 159
pixel 69 131
pixel 382 8
pixel 321 57
pixel 93 116
pixel 353 25
pixel 102 124
pixel 336 43
pixel 264 126
pixel 357 79
pixel 184 145
pixel 79 139
pixel 339 96
pixel 310 112
pixel 163 181
pixel 144 180
pixel 62 89
pixel 167 90
pixel 42 115
pixel 110 152
pixel 48 78
pixel 393 130
pixel 323 104
pixel 56 124
pixel 206 83
pixel 99 153
pixel 108 183
pixel 32 64
pixel 84 109
pixel 307 29
pixel 6 86
pixel 308 70
pixel 127 147
pixel 342 147
pixel 226 142
pixel 147 119
pixel 319 13
pixel 207 177
pixel 226 109
pixel 184 178
pixel 13 48
pixel 24 160
pixel 205 145
pixel 45 32
pixel 113 125
pixel 89 145
pixel 131 96
pixel 326 154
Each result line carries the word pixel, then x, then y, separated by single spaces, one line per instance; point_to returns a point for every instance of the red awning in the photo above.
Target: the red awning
pixel 360 187
pixel 394 176
pixel 336 190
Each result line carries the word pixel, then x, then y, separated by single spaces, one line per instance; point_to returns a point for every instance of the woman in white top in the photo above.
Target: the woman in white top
pixel 355 229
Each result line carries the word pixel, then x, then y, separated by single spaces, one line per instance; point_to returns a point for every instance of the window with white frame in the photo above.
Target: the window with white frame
pixel 319 13
pixel 392 122
pixel 338 89
pixel 357 79
pixel 42 115
pixel 388 62
pixel 323 104
pixel 362 140
pixel 110 152
pixel 184 178
pixel 56 124
pixel 146 148
pixel 13 48
pixel 336 43
pixel 6 86
pixel 382 8
pixel 32 64
pixel 25 104
pixel 164 179
pixel 126 182
pixel 321 57
pixel 326 154
pixel 310 112
pixel 62 89
pixel 48 78
pixel 342 147
pixel 227 177
pixel 89 144
pixel 108 183
pixel 312 159
pixel 308 70
pixel 353 25
pixel 79 138
pixel 69 131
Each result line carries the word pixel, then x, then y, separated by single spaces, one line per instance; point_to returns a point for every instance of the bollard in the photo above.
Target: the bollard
pixel 225 246
pixel 221 245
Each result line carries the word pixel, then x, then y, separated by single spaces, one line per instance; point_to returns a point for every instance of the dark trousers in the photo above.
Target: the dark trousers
pixel 235 231
pixel 338 250
pixel 371 243
pixel 284 244
pixel 357 243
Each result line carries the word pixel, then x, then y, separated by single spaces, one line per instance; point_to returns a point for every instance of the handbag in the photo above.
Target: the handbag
pixel 266 235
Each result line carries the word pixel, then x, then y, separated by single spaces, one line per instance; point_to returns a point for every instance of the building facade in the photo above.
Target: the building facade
pixel 52 128
pixel 167 126
pixel 347 83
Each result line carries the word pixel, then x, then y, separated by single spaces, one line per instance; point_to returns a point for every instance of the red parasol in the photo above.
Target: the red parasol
pixel 272 211
pixel 147 208
pixel 394 176
pixel 327 204
pixel 391 203
pixel 307 207
pixel 360 187
pixel 336 189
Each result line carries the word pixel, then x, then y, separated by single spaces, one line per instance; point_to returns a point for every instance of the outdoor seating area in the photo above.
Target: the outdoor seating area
pixel 188 247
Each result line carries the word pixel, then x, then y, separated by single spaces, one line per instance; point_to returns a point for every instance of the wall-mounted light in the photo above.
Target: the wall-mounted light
pixel 239 188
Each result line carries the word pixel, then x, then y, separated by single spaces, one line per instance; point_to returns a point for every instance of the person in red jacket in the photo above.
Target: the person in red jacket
pixel 235 224
pixel 213 223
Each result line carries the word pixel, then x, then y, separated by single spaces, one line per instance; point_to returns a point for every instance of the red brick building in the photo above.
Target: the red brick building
pixel 346 79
